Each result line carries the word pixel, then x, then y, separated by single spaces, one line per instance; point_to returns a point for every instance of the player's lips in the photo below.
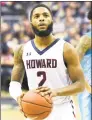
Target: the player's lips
pixel 42 24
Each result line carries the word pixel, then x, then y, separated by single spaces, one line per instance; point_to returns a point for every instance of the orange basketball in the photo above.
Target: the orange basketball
pixel 35 105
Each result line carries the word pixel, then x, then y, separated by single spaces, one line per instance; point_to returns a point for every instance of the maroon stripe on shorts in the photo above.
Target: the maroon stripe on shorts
pixel 72 108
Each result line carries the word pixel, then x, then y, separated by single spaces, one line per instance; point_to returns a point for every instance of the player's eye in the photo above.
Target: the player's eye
pixel 36 16
pixel 46 15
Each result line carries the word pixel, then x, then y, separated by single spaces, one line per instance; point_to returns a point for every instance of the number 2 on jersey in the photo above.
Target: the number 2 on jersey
pixel 41 73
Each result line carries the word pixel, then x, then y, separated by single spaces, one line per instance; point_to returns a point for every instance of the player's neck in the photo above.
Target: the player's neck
pixel 43 41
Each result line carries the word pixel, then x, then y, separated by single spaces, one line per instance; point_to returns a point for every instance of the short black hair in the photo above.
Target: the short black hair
pixel 90 14
pixel 40 5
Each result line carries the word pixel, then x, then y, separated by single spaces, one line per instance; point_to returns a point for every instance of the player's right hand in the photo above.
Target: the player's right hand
pixel 19 99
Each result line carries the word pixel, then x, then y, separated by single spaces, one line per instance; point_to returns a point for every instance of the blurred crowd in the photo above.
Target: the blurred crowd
pixel 70 22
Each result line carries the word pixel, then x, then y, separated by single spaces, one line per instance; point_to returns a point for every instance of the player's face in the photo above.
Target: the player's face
pixel 42 21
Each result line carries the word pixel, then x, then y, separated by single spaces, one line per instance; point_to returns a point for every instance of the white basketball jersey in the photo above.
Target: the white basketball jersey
pixel 46 67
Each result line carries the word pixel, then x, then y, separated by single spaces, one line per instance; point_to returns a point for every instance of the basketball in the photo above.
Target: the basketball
pixel 35 105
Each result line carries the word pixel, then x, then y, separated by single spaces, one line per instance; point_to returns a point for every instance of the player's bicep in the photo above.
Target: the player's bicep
pixel 73 64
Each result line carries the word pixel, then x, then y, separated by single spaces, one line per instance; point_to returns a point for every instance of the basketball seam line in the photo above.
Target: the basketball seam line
pixel 36 114
pixel 48 101
pixel 22 109
pixel 45 98
pixel 36 104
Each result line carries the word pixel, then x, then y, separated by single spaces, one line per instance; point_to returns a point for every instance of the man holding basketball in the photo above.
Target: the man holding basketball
pixel 51 64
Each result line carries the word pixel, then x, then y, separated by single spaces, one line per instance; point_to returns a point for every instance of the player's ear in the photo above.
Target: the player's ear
pixel 31 22
pixel 52 21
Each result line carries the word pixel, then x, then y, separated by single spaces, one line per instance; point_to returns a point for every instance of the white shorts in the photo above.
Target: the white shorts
pixel 61 112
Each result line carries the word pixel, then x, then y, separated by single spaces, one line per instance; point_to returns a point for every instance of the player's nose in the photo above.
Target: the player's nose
pixel 41 18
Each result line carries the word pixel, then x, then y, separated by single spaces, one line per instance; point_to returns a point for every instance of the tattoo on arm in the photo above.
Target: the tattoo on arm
pixel 18 69
pixel 83 46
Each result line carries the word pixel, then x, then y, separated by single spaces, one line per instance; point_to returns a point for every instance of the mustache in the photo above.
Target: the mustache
pixel 41 24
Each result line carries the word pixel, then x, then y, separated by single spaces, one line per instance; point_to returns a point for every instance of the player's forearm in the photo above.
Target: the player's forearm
pixel 17 74
pixel 70 90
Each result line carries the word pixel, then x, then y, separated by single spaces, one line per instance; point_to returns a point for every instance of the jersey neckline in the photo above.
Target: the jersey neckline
pixel 44 50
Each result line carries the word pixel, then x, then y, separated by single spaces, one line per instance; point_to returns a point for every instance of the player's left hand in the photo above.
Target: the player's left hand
pixel 46 91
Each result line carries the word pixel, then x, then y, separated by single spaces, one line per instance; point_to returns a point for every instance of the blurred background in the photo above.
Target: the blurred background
pixel 70 22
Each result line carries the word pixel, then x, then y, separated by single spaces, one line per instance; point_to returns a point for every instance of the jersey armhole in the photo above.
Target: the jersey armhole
pixel 65 64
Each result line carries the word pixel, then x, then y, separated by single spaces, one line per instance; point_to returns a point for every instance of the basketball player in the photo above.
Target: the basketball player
pixel 49 62
pixel 84 50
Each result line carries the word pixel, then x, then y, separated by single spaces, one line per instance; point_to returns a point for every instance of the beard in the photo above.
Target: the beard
pixel 43 33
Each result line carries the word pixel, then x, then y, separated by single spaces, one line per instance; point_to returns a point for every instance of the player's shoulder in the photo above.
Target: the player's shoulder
pixel 60 40
pixel 18 51
pixel 68 48
pixel 28 44
pixel 19 48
